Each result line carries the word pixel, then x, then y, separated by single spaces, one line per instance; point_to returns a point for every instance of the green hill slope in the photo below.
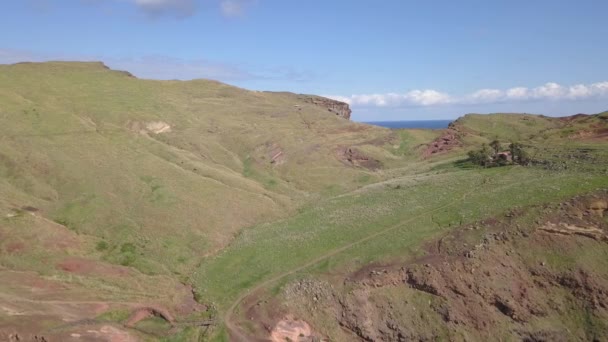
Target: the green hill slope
pixel 178 161
pixel 147 210
pixel 157 175
pixel 535 128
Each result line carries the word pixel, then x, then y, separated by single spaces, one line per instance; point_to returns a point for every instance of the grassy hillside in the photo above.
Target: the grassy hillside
pixel 313 255
pixel 79 143
pixel 208 205
pixel 535 128
pixel 156 175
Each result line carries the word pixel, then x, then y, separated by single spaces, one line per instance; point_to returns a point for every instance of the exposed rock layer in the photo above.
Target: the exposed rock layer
pixel 341 109
pixel 506 284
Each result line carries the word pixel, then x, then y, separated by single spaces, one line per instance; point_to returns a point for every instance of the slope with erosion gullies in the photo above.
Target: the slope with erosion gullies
pixel 295 275
pixel 91 146
pixel 537 274
pixel 534 273
pixel 147 178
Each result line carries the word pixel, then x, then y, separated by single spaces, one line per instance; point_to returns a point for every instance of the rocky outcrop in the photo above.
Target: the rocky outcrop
pixel 446 142
pixel 354 157
pixel 341 109
pixel 509 278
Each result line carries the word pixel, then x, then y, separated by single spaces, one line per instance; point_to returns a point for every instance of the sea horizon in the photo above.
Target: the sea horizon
pixel 417 124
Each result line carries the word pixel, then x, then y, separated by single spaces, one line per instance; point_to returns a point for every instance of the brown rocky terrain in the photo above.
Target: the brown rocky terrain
pixel 354 157
pixel 517 280
pixel 448 141
pixel 341 109
pixel 535 274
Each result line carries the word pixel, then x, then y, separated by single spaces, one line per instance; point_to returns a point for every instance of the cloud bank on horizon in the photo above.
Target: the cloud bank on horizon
pixel 425 98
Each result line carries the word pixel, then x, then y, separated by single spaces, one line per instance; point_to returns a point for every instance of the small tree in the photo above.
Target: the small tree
pixel 481 157
pixel 518 154
pixel 513 148
pixel 523 158
pixel 495 145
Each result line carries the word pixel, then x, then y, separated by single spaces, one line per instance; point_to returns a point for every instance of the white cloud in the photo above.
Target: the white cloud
pixel 425 98
pixel 179 8
pixel 234 8
pixel 517 93
pixel 550 90
pixel 579 91
pixel 583 91
pixel 186 8
pixel 344 99
pixel 414 97
pixel 487 95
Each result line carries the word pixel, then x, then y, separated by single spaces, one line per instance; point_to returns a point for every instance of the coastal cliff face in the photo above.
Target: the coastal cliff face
pixel 339 108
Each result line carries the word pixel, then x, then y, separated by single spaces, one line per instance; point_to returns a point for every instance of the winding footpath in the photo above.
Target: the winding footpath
pixel 236 334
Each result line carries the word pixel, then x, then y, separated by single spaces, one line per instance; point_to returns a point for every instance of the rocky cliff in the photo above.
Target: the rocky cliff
pixel 341 109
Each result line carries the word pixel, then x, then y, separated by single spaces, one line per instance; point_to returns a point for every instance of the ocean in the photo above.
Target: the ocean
pixel 427 124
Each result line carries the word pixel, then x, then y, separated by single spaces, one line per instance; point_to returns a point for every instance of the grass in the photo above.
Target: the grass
pixel 267 250
pixel 203 204
pixel 82 159
pixel 411 139
pixel 115 316
pixel 154 326
pixel 507 127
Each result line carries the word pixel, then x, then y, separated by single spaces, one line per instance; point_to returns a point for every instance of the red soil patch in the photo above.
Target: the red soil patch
pixel 86 267
pixel 15 247
pixel 446 142
pixel 188 305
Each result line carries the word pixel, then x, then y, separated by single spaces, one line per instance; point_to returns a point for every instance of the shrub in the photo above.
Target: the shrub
pixel 481 157
pixel 127 248
pixel 487 157
pixel 102 246
pixel 127 259
pixel 495 145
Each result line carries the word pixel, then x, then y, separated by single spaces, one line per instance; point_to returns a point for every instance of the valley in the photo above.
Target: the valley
pixel 141 210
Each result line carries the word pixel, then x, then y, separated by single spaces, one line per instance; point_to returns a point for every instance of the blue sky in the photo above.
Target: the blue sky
pixel 391 59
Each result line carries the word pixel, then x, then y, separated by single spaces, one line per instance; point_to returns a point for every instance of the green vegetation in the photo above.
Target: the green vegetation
pixel 102 246
pixel 93 161
pixel 168 192
pixel 399 220
pixel 494 156
pixel 483 156
pixel 116 316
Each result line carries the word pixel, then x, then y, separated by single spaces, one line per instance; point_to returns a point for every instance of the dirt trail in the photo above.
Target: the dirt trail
pixel 237 335
pixel 10 298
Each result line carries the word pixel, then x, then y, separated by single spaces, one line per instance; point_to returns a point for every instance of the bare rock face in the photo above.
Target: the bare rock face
pixel 341 109
pixel 354 157
pixel 446 142
pixel 503 281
